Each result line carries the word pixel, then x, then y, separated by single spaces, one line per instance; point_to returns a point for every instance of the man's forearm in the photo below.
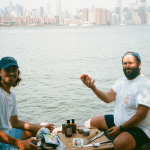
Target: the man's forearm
pixel 137 118
pixel 27 126
pixel 5 138
pixel 103 95
pixel 132 122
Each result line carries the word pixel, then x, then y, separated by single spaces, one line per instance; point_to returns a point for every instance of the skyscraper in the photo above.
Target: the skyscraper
pixel 48 8
pixel 85 14
pixel 41 11
pixel 143 1
pixel 119 4
pixel 141 13
pixel 21 11
pixel 17 8
pixel 58 6
pixel 10 7
pixel 136 5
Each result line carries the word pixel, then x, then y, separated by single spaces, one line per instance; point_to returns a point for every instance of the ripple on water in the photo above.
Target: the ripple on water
pixel 53 59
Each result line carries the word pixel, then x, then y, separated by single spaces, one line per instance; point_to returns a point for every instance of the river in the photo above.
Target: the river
pixel 52 59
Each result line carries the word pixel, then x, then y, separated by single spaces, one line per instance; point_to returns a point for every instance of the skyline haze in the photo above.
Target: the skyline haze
pixel 71 5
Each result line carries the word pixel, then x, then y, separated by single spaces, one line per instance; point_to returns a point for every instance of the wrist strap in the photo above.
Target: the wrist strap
pixel 121 128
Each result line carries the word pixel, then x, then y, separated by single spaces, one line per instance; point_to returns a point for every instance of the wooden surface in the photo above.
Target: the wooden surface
pixel 68 141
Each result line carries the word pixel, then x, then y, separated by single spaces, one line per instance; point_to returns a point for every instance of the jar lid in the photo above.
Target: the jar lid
pixel 86 130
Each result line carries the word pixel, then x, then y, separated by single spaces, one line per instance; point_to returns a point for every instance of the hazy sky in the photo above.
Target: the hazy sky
pixel 68 4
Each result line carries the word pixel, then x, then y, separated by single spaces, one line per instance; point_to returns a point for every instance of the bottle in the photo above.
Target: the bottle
pixel 68 129
pixel 74 127
pixel 63 128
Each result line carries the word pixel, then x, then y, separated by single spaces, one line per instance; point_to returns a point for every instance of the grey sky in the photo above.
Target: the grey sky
pixel 68 4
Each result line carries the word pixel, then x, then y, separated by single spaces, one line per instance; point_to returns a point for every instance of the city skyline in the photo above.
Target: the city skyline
pixel 71 5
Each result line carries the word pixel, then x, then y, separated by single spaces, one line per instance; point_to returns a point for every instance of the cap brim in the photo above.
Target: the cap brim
pixel 8 65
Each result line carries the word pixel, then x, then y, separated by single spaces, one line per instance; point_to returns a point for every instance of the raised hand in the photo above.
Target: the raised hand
pixel 50 126
pixel 88 81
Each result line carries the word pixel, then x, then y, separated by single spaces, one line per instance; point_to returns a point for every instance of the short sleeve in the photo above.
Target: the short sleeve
pixel 117 85
pixel 143 97
pixel 14 111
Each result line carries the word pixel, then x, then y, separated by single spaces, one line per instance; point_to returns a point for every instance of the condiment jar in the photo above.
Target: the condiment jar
pixel 86 132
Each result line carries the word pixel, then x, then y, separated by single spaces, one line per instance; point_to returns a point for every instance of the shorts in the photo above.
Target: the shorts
pixel 16 133
pixel 139 135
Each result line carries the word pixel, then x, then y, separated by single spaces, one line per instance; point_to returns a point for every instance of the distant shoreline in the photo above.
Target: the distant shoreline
pixel 66 25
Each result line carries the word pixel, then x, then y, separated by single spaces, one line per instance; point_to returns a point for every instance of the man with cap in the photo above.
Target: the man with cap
pixel 130 124
pixel 19 136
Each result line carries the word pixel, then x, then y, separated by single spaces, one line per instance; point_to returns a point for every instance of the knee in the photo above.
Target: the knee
pixel 93 123
pixel 98 122
pixel 119 145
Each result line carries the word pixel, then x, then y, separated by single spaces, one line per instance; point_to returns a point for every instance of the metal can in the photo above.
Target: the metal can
pixel 63 128
pixel 86 132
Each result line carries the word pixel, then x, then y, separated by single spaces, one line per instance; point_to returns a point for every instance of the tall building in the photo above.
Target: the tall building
pixel 113 19
pixel 58 6
pixel 98 12
pixel 131 7
pixel 136 5
pixel 21 11
pixel 85 12
pixel 17 8
pixel 102 16
pixel 5 11
pixel 142 14
pixel 119 5
pixel 10 7
pixel 78 10
pixel 143 4
pixel 118 10
pixel 91 17
pixel 143 1
pixel 36 13
pixel 27 12
pixel 48 8
pixel 92 8
pixel 41 11
pixel 13 8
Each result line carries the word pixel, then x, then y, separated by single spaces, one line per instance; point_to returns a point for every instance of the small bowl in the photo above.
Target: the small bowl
pixel 80 131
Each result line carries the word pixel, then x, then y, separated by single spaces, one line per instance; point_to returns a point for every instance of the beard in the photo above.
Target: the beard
pixel 8 82
pixel 131 73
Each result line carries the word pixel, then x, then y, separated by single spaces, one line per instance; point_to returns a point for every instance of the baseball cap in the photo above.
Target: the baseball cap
pixel 8 61
pixel 134 54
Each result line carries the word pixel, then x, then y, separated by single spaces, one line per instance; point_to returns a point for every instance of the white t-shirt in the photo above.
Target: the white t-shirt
pixel 131 93
pixel 8 107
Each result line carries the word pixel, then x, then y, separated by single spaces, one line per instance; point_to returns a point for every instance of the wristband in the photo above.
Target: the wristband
pixel 121 128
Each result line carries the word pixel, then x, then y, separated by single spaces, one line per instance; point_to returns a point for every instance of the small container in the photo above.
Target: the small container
pixel 63 128
pixel 86 132
pixel 78 142
pixel 80 131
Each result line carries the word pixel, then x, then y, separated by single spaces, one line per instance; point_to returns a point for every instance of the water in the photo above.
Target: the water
pixel 52 59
